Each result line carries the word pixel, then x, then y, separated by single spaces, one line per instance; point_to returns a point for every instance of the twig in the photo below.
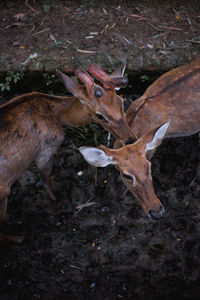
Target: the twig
pixel 29 32
pixel 140 18
pixel 32 56
pixel 84 205
pixel 193 41
pixel 31 8
pixel 154 27
pixel 14 24
pixel 193 180
pixel 126 40
pixel 74 267
pixel 107 27
pixel 86 51
pixel 124 193
pixel 171 28
pixel 81 206
pixel 43 20
pixel 67 8
pixel 41 31
pixel 177 13
pixel 169 191
pixel 104 29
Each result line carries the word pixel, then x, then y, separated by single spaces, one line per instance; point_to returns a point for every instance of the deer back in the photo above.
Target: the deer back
pixel 28 127
pixel 175 96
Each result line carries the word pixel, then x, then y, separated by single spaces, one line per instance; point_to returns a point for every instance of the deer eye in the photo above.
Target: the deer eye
pixel 130 141
pixel 100 117
pixel 98 93
pixel 128 177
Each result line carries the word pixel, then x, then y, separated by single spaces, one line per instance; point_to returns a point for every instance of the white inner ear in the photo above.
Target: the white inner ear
pixel 134 180
pixel 96 157
pixel 123 70
pixel 82 101
pixel 159 135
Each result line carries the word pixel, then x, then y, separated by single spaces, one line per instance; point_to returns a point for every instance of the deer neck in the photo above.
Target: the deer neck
pixel 73 113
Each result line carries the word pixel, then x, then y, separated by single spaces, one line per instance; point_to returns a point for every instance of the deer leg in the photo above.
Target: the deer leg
pixel 4 192
pixel 45 171
pixel 44 160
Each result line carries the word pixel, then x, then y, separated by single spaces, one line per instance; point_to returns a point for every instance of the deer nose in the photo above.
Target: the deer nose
pixel 157 214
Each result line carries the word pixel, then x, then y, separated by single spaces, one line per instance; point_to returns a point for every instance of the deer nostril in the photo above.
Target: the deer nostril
pixel 156 215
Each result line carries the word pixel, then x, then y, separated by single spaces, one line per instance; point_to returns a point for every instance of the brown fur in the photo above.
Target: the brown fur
pixel 31 130
pixel 175 96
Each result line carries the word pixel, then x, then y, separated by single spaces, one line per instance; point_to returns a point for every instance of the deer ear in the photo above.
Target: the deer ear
pixel 157 138
pixel 96 157
pixel 118 79
pixel 119 72
pixel 72 86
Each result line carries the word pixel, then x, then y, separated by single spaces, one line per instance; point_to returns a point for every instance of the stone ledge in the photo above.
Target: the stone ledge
pixel 146 35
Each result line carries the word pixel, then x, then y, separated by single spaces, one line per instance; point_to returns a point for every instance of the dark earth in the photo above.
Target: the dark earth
pixel 94 241
pixel 145 34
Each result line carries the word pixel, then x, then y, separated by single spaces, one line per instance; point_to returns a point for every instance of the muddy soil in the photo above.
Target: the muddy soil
pixel 144 34
pixel 110 249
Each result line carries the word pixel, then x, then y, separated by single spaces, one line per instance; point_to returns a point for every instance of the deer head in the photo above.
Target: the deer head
pixel 134 166
pixel 104 104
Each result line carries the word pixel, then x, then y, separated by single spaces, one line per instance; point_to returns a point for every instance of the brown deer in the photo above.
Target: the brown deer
pixel 173 99
pixel 103 104
pixel 31 128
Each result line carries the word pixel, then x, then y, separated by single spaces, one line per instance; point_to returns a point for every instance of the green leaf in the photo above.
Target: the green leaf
pixel 8 78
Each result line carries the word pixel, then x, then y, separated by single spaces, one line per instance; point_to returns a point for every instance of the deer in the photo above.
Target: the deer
pixel 102 103
pixel 31 128
pixel 169 108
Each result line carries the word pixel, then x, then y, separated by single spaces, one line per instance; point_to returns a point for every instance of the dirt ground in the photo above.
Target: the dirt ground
pixel 144 34
pixel 110 249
